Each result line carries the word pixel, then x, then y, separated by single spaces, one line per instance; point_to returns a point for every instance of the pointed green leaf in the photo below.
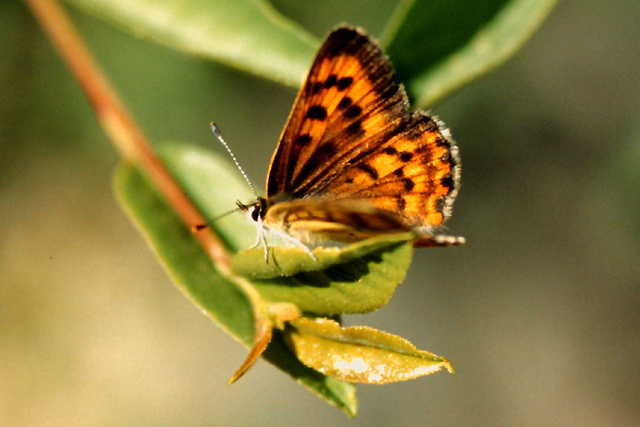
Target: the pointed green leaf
pixel 359 354
pixel 436 47
pixel 292 261
pixel 358 286
pixel 194 273
pixel 246 34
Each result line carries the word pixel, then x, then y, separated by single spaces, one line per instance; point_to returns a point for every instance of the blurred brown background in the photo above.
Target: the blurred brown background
pixel 539 312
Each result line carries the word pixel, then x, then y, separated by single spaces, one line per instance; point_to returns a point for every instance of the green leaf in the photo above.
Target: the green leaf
pixel 357 286
pixel 356 279
pixel 195 274
pixel 246 34
pixel 359 354
pixel 435 46
pixel 189 266
pixel 438 46
pixel 291 261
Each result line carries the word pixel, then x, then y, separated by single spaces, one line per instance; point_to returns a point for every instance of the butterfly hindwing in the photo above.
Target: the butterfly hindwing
pixel 414 173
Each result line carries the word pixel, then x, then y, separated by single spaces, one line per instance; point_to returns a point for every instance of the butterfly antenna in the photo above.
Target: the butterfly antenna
pixel 218 135
pixel 199 227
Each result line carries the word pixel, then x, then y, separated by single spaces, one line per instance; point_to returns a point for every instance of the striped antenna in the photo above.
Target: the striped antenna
pixel 218 135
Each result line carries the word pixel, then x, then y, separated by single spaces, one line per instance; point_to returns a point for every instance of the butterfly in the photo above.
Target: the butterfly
pixel 353 162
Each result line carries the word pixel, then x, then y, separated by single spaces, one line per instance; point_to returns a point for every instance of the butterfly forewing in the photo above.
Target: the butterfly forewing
pixel 347 104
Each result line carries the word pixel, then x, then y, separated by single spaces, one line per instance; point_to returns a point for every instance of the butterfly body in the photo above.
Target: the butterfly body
pixel 352 161
pixel 314 221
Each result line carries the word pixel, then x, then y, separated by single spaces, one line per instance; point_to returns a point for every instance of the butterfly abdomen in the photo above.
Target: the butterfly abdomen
pixel 315 220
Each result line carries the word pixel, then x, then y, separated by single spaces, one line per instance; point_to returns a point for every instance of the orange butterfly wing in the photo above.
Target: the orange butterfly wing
pixel 350 136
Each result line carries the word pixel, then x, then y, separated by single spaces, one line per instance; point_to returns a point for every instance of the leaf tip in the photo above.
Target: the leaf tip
pixel 447 364
pixel 263 335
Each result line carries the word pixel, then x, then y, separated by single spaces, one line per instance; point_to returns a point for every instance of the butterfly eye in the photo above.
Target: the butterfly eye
pixel 255 213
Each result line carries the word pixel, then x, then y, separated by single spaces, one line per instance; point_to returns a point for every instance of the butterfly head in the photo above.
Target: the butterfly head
pixel 255 210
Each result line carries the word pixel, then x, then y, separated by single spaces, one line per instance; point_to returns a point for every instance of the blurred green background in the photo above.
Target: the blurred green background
pixel 539 312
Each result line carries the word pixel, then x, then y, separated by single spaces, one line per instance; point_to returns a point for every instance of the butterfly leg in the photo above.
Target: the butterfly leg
pixel 260 238
pixel 293 240
pixel 266 248
pixel 255 245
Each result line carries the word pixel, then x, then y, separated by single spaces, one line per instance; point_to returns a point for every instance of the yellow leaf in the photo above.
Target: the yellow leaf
pixel 359 354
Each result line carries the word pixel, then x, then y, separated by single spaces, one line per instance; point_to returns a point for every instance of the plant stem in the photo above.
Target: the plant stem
pixel 134 147
pixel 126 136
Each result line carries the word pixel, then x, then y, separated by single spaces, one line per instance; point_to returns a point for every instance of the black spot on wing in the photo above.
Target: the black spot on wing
pixel 327 149
pixel 447 181
pixel 331 81
pixel 344 83
pixel 408 184
pixel 405 156
pixel 317 112
pixel 315 87
pixel 355 127
pixel 368 169
pixel 344 103
pixel 303 140
pixel 352 112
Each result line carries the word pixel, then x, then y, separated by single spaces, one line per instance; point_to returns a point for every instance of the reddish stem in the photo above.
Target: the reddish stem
pixel 125 135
